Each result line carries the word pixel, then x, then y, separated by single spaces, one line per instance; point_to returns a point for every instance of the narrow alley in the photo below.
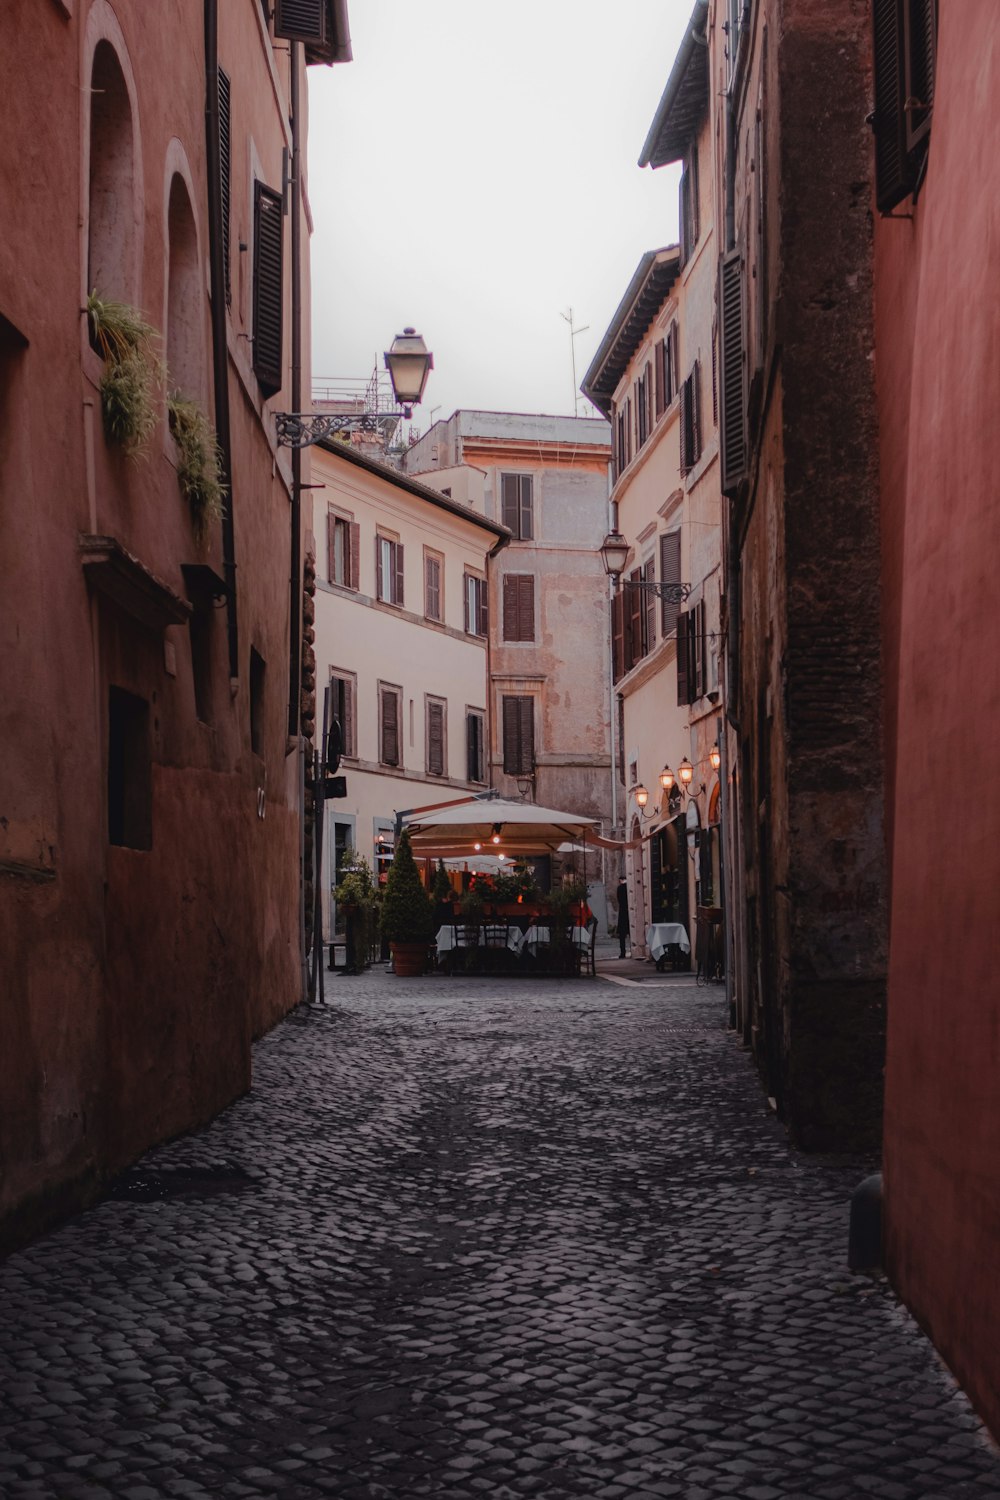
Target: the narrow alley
pixel 478 1237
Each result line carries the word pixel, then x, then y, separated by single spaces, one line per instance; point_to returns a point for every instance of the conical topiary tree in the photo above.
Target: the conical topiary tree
pixel 407 913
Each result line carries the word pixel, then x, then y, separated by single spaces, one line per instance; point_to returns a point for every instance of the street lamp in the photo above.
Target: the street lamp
pixel 409 363
pixel 614 552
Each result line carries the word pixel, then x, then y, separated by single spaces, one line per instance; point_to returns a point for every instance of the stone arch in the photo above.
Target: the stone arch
pixel 112 172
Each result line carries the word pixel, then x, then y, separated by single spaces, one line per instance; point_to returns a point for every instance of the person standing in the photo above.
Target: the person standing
pixel 624 930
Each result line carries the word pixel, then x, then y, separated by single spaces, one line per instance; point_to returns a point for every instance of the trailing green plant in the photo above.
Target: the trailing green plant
pixel 407 913
pixel 132 371
pixel 199 463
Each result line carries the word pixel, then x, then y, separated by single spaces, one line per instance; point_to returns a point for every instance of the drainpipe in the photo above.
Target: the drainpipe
pixel 295 564
pixel 220 349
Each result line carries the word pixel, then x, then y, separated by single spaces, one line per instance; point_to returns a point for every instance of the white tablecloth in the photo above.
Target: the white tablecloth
pixel 542 933
pixel 446 939
pixel 662 935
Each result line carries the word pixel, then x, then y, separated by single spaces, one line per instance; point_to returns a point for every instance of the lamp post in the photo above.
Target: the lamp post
pixel 409 363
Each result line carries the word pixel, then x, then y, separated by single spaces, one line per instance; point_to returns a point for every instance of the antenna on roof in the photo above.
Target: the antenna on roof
pixel 567 317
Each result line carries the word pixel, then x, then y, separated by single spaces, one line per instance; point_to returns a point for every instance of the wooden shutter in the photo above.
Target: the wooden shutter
pixel 268 288
pixel 695 379
pixel 432 586
pixel 732 342
pixel 919 37
pixel 474 747
pixel 684 215
pixel 696 652
pixel 687 462
pixel 354 581
pixel 511 723
pixel 649 612
pixel 509 508
pixel 526 736
pixel 628 429
pixel 618 635
pixel 390 727
pixel 693 190
pixel 518 736
pixel 683 693
pixel 510 608
pixel 331 546
pixel 895 168
pixel 660 366
pixel 396 552
pixel 525 518
pixel 301 20
pixel 225 172
pixel 482 608
pixel 435 739
pixel 670 572
pixel 526 608
pixel 347 719
pixel 634 595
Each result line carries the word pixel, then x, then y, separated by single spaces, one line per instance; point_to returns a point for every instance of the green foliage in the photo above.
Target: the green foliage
pixel 407 913
pixel 126 343
pixel 442 890
pixel 198 463
pixel 472 907
pixel 508 885
pixel 357 884
pixel 356 891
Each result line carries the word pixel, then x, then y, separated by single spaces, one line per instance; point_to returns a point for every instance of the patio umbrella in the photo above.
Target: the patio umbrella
pixel 522 828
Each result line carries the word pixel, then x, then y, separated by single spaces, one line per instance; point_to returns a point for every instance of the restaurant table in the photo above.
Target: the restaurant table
pixel 663 935
pixel 542 933
pixel 447 938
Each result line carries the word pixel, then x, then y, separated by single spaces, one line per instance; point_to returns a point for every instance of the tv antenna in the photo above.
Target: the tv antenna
pixel 567 317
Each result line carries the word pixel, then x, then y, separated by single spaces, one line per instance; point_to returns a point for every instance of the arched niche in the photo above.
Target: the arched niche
pixel 112 248
pixel 185 309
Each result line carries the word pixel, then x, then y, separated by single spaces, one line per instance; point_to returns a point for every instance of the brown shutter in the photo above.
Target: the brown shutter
pixel 696 410
pixel 354 581
pixel 649 612
pixel 508 501
pixel 526 608
pixel 331 546
pixel 510 608
pixel 301 20
pixel 686 460
pixel 268 288
pixel 732 406
pixel 510 736
pixel 525 517
pixel 482 608
pixel 894 170
pixel 618 635
pixel 347 722
pixel 683 693
pixel 670 572
pixel 660 364
pixel 225 172
pixel 696 652
pixel 526 736
pixel 397 566
pixel 919 36
pixel 635 618
pixel 435 739
pixel 474 747
pixel 390 727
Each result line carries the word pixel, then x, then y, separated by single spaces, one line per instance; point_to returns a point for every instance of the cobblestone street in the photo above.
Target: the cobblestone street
pixel 498 1239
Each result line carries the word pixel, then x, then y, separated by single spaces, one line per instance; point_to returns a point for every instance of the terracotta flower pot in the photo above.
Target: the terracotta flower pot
pixel 409 959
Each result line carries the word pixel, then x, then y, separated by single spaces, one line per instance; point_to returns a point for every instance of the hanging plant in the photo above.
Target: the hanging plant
pixel 199 460
pixel 132 371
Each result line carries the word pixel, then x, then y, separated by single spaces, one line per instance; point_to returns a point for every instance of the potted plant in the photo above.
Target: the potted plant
pixel 356 895
pixel 443 895
pixel 198 463
pixel 125 342
pixel 407 913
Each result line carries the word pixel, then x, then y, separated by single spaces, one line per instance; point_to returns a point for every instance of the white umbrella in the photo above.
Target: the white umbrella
pixel 520 827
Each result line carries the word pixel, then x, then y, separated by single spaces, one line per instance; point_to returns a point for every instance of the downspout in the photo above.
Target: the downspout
pixel 494 551
pixel 220 349
pixel 295 582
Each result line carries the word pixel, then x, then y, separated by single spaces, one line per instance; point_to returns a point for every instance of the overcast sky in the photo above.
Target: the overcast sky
pixel 473 174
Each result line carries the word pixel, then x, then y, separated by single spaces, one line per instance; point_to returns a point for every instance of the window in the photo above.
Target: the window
pixel 389 570
pixel 642 406
pixel 343 537
pixel 268 288
pixel 691 420
pixel 476 612
pixel 433 575
pixel 437 749
pixel 518 736
pixel 390 738
pixel 665 368
pixel 670 572
pixel 111 232
pixel 258 670
pixel 692 655
pixel 343 697
pixel 516 504
pixel 475 744
pixel 905 44
pixel 689 216
pixel 519 607
pixel 130 776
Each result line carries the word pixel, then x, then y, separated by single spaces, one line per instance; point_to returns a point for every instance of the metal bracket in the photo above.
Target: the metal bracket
pixel 302 429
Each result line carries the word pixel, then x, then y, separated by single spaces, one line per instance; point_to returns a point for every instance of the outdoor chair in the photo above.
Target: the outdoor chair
pixel 588 954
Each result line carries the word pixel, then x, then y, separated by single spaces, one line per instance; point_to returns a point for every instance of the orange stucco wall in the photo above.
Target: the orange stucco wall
pixel 938 366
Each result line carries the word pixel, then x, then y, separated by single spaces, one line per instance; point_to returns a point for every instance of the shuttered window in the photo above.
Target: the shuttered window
pixel 732 342
pixel 268 288
pixel 433 604
pixel 689 217
pixel 389 571
pixel 436 753
pixel 476 613
pixel 649 606
pixel 642 407
pixel 904 46
pixel 390 739
pixel 519 607
pixel 518 736
pixel 692 655
pixel 344 551
pixel 517 505
pixel 635 618
pixel 225 173
pixel 343 690
pixel 475 745
pixel 301 20
pixel 683 658
pixel 691 420
pixel 618 666
pixel 670 572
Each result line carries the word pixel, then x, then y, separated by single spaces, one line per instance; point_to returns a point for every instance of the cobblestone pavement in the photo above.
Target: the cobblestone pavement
pixel 500 1240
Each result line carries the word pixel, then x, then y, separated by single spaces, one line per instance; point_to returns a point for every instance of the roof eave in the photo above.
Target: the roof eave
pixel 684 99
